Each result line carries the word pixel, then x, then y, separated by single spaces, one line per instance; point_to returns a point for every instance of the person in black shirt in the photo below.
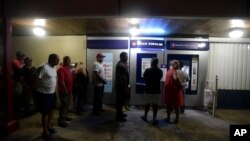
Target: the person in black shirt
pixel 152 77
pixel 28 76
pixel 121 85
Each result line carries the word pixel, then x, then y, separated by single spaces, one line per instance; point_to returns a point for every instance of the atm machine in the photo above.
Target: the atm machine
pixel 111 47
pixel 193 53
pixel 142 49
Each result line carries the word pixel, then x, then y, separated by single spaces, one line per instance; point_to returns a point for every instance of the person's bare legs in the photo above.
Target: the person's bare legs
pixel 45 124
pixel 169 109
pixel 147 107
pixel 50 118
pixel 155 109
pixel 177 110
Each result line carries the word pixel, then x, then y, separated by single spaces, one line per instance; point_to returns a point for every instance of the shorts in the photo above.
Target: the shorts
pixel 152 98
pixel 45 103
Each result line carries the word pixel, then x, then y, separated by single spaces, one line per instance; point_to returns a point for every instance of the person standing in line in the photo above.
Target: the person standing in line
pixel 152 77
pixel 28 76
pixel 184 78
pixel 173 89
pixel 80 88
pixel 45 83
pixel 17 65
pixel 65 83
pixel 121 85
pixel 98 78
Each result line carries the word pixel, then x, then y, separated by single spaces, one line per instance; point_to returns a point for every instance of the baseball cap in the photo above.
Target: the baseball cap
pixel 100 55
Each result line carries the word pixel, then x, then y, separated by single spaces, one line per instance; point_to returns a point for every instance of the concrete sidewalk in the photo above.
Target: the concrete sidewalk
pixel 194 125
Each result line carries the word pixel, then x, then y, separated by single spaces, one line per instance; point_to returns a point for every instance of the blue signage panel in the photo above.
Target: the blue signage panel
pixel 187 45
pixel 107 44
pixel 152 44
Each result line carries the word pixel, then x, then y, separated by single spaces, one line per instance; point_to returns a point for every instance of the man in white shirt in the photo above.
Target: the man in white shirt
pixel 184 78
pixel 98 78
pixel 45 87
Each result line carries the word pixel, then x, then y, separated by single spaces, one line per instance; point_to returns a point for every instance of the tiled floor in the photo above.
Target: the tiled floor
pixel 194 125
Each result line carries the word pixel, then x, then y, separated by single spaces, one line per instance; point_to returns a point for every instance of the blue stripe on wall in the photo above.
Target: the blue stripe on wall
pixel 234 99
pixel 107 44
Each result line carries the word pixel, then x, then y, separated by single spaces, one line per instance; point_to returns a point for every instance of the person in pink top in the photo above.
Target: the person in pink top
pixel 173 90
pixel 65 83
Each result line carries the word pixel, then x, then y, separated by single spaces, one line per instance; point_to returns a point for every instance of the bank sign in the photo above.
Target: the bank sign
pixel 152 44
pixel 187 45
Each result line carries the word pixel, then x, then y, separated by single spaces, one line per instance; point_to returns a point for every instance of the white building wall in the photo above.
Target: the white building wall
pixel 230 61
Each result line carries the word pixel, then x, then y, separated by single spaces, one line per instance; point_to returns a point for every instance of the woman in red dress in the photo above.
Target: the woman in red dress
pixel 173 91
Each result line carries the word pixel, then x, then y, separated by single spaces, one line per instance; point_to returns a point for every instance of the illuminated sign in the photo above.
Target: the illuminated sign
pixel 159 44
pixel 187 45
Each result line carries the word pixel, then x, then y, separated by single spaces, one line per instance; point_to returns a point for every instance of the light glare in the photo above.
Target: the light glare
pixel 134 21
pixel 236 34
pixel 237 23
pixel 39 31
pixel 39 22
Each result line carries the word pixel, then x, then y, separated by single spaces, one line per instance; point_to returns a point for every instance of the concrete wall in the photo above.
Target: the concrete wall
pixel 39 48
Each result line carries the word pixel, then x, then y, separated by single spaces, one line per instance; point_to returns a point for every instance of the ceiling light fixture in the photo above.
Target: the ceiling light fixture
pixel 236 33
pixel 39 22
pixel 38 31
pixel 134 21
pixel 134 31
pixel 152 31
pixel 237 23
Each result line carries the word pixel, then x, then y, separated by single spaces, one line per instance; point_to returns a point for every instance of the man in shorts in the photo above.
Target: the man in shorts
pixel 152 77
pixel 45 83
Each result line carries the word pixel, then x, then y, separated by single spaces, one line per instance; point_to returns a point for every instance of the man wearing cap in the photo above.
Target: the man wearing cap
pixel 98 78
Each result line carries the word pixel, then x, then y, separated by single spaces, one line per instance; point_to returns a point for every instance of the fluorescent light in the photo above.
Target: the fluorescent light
pixel 134 21
pixel 237 33
pixel 39 22
pixel 237 23
pixel 38 31
pixel 152 31
pixel 134 31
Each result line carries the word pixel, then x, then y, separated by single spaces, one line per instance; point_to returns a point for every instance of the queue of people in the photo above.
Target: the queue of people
pixel 38 87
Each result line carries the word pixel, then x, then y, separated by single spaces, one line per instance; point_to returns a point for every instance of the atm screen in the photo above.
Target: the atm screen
pixel 186 69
